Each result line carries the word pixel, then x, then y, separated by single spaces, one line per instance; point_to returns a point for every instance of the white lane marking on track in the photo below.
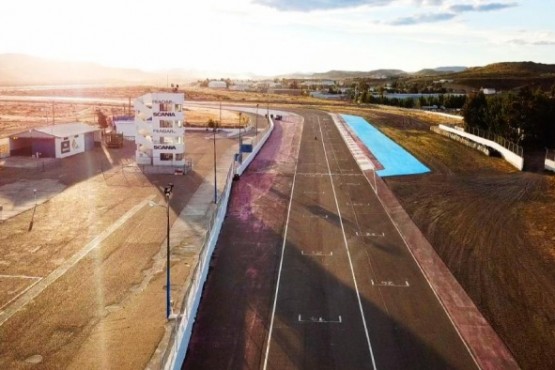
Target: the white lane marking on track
pixel 390 284
pixel 318 254
pixel 319 320
pixel 375 235
pixel 280 267
pixel 348 252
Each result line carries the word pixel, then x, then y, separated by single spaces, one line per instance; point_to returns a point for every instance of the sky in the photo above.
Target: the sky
pixel 273 37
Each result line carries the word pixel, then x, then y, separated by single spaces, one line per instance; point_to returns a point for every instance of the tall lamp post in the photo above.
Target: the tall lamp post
pixel 167 193
pixel 256 118
pixel 215 128
pixel 240 138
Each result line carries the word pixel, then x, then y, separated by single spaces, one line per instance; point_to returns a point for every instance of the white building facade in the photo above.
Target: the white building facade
pixel 160 135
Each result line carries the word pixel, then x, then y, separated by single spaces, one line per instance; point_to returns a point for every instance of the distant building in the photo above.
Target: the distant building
pixel 217 84
pixel 241 87
pixel 55 141
pixel 159 129
pixel 488 91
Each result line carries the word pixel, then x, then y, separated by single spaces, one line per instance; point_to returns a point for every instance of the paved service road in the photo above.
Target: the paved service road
pixel 349 294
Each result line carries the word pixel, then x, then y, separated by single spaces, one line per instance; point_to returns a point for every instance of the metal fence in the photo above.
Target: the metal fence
pixel 507 144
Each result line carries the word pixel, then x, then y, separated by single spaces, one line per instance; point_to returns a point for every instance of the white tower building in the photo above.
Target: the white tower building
pixel 160 133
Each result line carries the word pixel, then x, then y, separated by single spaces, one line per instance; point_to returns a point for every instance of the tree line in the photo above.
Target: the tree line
pixel 526 117
pixel 448 101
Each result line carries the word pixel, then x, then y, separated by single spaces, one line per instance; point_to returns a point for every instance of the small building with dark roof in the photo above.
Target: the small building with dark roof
pixel 56 141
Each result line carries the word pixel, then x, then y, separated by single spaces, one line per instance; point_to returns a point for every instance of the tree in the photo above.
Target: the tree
pixel 101 118
pixel 475 111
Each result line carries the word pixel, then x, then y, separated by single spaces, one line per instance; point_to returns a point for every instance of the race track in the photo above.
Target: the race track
pixel 310 273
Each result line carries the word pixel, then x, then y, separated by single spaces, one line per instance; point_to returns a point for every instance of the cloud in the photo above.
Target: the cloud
pixel 423 18
pixel 532 42
pixel 310 5
pixel 488 7
pixel 451 12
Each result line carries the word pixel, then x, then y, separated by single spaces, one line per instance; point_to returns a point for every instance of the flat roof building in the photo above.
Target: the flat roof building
pixel 55 141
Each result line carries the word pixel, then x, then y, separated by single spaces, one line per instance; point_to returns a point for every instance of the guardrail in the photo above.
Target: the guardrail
pixel 507 144
pixel 181 334
pixel 513 157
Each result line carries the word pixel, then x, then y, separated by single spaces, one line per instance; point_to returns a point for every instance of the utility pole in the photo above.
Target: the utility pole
pixel 256 118
pixel 168 192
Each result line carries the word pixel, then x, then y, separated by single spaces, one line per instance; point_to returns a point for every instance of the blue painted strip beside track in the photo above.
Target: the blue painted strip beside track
pixel 395 160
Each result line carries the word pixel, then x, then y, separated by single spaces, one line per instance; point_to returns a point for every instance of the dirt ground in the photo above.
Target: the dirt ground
pixel 115 291
pixel 492 226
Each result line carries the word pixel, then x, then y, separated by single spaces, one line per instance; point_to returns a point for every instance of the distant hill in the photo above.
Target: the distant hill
pixel 512 69
pixel 507 76
pixel 438 71
pixel 378 73
pixel 374 74
pixel 19 69
pixel 451 69
pixel 339 74
pixel 429 72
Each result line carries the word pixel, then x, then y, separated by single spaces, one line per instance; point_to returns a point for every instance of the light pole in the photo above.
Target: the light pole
pixel 167 193
pixel 256 132
pixel 240 139
pixel 215 128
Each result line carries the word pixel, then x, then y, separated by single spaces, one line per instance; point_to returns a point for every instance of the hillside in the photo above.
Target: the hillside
pixel 19 69
pixel 507 76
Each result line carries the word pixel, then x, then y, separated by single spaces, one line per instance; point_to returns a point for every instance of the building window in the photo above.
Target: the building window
pixel 165 107
pixel 166 140
pixel 179 156
pixel 166 124
pixel 166 156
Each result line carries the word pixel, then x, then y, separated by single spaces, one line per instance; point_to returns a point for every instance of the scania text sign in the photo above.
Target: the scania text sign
pixel 165 147
pixel 163 114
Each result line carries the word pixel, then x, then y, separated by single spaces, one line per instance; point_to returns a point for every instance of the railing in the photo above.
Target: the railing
pixel 507 144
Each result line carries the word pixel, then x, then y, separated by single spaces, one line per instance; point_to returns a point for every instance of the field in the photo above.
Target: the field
pixel 492 225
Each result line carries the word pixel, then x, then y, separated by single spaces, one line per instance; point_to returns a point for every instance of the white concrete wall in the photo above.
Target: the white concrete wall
pixel 550 164
pixel 240 169
pixel 127 128
pixel 514 159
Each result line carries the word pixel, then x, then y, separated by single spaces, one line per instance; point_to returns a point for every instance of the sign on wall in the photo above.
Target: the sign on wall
pixel 65 146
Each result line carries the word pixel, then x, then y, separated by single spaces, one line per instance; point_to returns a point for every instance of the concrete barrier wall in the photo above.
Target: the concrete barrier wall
pixel 177 348
pixel 184 328
pixel 446 115
pixel 514 159
pixel 240 169
pixel 463 140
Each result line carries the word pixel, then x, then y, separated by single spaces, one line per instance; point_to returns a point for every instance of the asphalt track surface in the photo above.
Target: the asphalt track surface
pixel 310 273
